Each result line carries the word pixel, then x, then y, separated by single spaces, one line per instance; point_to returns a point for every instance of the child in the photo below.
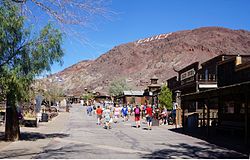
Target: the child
pixel 99 115
pixel 107 115
pixel 125 113
pixel 137 111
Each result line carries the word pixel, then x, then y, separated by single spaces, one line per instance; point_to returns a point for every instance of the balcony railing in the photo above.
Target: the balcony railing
pixel 207 78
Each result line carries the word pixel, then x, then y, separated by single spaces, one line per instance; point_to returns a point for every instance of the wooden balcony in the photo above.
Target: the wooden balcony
pixel 210 78
pixel 206 82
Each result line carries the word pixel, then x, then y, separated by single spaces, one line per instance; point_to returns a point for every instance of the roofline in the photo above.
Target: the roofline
pixel 189 65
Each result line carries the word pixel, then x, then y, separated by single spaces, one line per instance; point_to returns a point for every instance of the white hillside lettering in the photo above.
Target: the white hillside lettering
pixel 161 36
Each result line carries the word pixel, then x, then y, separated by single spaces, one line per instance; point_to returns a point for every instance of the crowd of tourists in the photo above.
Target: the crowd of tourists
pixel 108 114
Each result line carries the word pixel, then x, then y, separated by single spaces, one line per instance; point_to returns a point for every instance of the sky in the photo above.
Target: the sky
pixel 136 19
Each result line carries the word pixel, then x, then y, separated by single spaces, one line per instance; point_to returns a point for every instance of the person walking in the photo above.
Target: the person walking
pixel 143 108
pixel 164 116
pixel 89 110
pixel 149 116
pixel 94 109
pixel 137 112
pixel 107 115
pixel 130 107
pixel 99 115
pixel 125 113
pixel 116 113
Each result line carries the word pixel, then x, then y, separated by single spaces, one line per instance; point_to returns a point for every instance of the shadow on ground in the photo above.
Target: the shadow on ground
pixel 230 142
pixel 30 136
pixel 33 136
pixel 64 152
pixel 70 151
pixel 183 151
pixel 60 153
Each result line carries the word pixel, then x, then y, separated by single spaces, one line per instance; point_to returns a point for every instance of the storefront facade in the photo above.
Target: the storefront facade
pixel 231 99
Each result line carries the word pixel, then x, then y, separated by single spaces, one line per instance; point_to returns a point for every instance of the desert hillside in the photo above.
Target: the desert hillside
pixel 160 55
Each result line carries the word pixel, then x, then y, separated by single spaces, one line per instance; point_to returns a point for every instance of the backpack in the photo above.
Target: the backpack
pixel 137 111
pixel 124 110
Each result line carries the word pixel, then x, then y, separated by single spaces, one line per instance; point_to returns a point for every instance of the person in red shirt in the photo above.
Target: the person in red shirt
pixel 149 116
pixel 99 115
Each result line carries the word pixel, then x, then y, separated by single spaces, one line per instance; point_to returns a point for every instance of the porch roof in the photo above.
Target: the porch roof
pixel 243 87
pixel 133 93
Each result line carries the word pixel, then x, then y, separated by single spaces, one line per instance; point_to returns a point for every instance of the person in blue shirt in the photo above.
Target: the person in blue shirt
pixel 89 110
pixel 125 113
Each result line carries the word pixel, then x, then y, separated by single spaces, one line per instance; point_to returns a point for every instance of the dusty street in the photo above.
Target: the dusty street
pixel 76 135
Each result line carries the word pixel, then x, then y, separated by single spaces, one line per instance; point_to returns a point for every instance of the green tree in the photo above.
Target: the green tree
pixel 53 94
pixel 87 96
pixel 117 87
pixel 165 97
pixel 23 56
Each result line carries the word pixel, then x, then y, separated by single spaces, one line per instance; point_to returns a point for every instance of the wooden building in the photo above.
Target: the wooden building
pixel 100 97
pixel 152 91
pixel 148 96
pixel 197 78
pixel 132 97
pixel 73 98
pixel 230 97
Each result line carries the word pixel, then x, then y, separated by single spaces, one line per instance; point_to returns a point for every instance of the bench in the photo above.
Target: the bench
pixel 2 116
pixel 51 111
pixel 30 122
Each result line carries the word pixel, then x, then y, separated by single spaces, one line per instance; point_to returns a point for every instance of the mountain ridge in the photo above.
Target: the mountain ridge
pixel 160 55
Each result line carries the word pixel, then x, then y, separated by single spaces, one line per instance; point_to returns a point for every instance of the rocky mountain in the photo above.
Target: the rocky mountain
pixel 161 55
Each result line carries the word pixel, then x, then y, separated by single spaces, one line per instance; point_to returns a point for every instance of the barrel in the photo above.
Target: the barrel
pixel 45 117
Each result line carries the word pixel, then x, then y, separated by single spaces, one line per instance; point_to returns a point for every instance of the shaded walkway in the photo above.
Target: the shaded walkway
pixel 184 150
pixel 230 142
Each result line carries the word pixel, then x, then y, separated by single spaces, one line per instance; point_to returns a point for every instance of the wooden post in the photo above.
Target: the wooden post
pixel 183 117
pixel 203 115
pixel 176 116
pixel 208 117
pixel 220 105
pixel 247 143
pixel 178 122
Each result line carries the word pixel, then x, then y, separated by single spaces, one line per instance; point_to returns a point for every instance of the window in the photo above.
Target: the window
pixel 229 107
